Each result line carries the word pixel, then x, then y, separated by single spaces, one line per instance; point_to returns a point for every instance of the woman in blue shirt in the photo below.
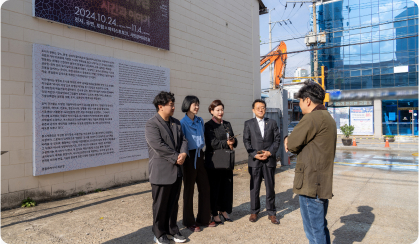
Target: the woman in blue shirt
pixel 193 168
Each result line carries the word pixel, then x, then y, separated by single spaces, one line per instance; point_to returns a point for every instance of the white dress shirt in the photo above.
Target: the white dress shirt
pixel 261 123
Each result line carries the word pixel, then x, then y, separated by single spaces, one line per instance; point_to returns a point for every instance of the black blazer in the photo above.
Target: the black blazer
pixel 253 141
pixel 216 137
pixel 164 148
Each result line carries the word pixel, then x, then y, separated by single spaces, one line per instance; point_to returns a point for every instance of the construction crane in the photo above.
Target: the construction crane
pixel 278 57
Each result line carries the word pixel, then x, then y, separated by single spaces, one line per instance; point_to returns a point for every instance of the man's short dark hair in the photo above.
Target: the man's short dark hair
pixel 313 91
pixel 258 101
pixel 163 98
pixel 187 102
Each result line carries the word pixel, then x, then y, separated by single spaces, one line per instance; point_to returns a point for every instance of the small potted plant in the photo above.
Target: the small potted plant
pixel 347 130
pixel 391 138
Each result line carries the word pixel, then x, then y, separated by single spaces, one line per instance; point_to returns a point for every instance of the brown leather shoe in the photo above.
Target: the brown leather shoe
pixel 253 217
pixel 273 219
pixel 194 228
pixel 212 224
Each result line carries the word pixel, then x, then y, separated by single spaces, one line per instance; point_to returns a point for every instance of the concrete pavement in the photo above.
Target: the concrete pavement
pixel 369 205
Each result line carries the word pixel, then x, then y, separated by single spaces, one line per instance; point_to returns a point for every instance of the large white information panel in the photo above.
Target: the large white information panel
pixel 362 120
pixel 90 110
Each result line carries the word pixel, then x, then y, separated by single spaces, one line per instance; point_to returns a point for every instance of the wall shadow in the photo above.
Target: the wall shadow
pixel 355 226
pixel 284 201
pixel 145 235
pixel 93 203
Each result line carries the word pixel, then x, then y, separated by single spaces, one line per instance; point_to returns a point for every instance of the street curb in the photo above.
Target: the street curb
pixel 352 148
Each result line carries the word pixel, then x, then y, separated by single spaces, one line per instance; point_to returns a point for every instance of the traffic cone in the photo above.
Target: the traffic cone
pixel 354 142
pixel 387 144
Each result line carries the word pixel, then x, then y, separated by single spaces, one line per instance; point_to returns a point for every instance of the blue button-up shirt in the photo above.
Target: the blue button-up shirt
pixel 194 133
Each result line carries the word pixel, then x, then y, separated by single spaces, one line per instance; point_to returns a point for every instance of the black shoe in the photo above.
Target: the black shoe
pixel 217 222
pixel 226 219
pixel 161 240
pixel 177 237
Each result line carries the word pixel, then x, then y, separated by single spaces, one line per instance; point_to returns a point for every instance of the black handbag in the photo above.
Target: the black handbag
pixel 221 159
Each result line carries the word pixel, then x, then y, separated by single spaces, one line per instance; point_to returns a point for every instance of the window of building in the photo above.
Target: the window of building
pixel 375 23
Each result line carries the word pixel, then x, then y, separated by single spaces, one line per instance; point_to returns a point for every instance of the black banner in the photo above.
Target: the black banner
pixel 142 21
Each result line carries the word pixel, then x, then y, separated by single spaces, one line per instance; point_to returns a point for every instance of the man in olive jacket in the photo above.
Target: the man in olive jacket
pixel 314 140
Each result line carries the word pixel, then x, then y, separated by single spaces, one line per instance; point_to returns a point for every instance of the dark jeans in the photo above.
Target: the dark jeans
pixel 313 212
pixel 165 208
pixel 256 175
pixel 221 188
pixel 190 177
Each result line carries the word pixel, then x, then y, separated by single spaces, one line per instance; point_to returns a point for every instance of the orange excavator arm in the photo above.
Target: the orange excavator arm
pixel 278 56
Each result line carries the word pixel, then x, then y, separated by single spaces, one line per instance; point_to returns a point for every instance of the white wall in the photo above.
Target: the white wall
pixel 293 88
pixel 207 58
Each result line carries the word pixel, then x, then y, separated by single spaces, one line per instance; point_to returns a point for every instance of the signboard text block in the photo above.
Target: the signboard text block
pixel 142 21
pixel 90 110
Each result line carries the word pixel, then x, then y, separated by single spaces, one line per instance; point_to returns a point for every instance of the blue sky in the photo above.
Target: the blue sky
pixel 300 18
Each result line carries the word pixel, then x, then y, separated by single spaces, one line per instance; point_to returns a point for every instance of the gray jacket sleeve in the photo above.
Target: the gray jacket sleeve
pixel 158 145
pixel 184 146
pixel 277 139
pixel 247 140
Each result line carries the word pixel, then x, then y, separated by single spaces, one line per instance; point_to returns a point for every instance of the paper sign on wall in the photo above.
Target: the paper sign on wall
pixel 362 120
pixel 340 115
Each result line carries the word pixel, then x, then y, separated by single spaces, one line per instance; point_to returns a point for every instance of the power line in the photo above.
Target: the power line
pixel 292 32
pixel 303 44
pixel 361 27
pixel 284 40
pixel 290 12
pixel 281 3
pixel 345 45
pixel 295 28
pixel 296 12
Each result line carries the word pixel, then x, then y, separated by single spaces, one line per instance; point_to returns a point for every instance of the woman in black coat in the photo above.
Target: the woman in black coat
pixel 221 180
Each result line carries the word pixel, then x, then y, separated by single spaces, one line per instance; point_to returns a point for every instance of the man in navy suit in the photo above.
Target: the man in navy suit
pixel 261 139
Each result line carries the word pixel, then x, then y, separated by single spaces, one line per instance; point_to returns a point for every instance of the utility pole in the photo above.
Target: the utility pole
pixel 271 80
pixel 315 59
pixel 312 39
pixel 271 83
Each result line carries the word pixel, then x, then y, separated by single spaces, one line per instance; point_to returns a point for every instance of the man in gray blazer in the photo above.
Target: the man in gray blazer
pixel 261 139
pixel 167 149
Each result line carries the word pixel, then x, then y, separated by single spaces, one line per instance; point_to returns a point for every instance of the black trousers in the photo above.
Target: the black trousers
pixel 165 208
pixel 256 175
pixel 221 188
pixel 190 177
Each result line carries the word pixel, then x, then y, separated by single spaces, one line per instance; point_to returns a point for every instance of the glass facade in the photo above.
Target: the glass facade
pixel 369 43
pixel 400 117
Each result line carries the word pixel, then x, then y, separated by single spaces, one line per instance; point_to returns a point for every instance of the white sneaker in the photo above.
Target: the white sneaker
pixel 177 237
pixel 162 240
